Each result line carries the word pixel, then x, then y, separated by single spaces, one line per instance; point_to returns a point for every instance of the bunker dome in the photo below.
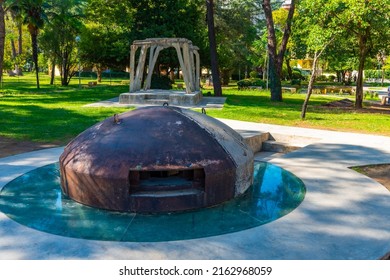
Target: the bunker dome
pixel 156 159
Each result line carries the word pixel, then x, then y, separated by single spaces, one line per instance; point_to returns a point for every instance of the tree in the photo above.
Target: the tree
pixel 369 22
pixel 34 16
pixel 317 45
pixel 316 33
pixel 213 48
pixel 366 31
pixel 341 58
pixel 276 56
pixel 235 24
pixel 105 45
pixel 2 37
pixel 58 39
pixel 170 18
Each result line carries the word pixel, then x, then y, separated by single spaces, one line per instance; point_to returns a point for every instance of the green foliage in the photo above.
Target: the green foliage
pixel 322 78
pixel 253 82
pixel 296 82
pixel 58 39
pixel 106 34
pixel 297 75
pixel 377 74
pixel 236 32
pixel 254 74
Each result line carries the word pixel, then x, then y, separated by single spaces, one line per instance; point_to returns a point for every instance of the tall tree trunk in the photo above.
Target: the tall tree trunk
pixel 310 86
pixel 13 48
pixel 20 39
pixel 18 69
pixel 363 50
pixel 2 38
pixel 289 69
pixel 99 74
pixel 53 71
pixel 213 48
pixel 317 55
pixel 14 55
pixel 275 81
pixel 276 57
pixel 34 43
pixel 65 70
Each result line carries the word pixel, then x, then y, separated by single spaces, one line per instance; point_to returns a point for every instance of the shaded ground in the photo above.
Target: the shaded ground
pixel 9 147
pixel 370 107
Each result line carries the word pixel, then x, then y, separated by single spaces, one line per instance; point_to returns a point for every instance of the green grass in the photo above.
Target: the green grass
pixel 255 106
pixel 52 114
pixel 56 114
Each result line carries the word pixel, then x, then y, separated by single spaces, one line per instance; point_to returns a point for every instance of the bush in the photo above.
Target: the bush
pixel 331 78
pixel 160 82
pixel 296 82
pixel 87 74
pixel 253 74
pixel 322 78
pixel 297 75
pixel 113 74
pixel 246 83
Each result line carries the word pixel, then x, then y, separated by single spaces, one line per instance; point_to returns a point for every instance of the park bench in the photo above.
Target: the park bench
pixel 290 89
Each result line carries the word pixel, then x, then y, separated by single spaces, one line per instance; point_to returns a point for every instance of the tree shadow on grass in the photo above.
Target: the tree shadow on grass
pixel 44 124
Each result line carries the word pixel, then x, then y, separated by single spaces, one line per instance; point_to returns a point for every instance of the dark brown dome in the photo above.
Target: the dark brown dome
pixel 156 159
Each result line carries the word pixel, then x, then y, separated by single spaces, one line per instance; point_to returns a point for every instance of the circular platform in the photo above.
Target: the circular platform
pixel 35 200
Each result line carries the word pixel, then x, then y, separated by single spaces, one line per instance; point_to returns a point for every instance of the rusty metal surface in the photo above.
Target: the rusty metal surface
pixel 96 166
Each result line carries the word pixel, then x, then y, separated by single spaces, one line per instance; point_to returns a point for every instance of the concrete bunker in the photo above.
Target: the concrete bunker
pixel 156 159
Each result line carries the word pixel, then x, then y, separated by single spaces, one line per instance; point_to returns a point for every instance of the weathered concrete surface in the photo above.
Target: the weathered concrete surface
pixel 344 215
pixel 159 97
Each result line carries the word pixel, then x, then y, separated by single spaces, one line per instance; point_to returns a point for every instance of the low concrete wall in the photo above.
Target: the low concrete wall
pixel 159 97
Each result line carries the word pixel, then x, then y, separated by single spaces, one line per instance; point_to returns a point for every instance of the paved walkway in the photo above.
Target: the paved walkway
pixel 345 215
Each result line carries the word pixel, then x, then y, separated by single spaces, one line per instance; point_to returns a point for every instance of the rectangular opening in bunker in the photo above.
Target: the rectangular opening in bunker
pixel 163 180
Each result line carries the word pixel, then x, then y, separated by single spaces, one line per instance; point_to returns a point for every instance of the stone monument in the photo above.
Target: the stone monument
pixel 189 60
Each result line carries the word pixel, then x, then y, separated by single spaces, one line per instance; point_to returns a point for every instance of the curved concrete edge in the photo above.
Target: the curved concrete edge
pixel 344 214
pixel 13 166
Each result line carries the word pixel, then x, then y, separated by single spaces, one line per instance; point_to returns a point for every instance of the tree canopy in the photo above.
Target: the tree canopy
pixel 245 32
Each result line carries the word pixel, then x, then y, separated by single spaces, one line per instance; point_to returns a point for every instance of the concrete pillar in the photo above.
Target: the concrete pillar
pixel 140 68
pixel 154 52
pixel 187 65
pixel 187 54
pixel 197 70
pixel 182 66
pixel 133 50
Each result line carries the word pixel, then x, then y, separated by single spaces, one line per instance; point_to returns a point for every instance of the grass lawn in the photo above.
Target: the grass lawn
pixel 52 114
pixel 255 106
pixel 55 114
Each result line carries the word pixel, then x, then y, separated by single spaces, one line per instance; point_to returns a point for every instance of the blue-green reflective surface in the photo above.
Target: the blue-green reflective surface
pixel 35 200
